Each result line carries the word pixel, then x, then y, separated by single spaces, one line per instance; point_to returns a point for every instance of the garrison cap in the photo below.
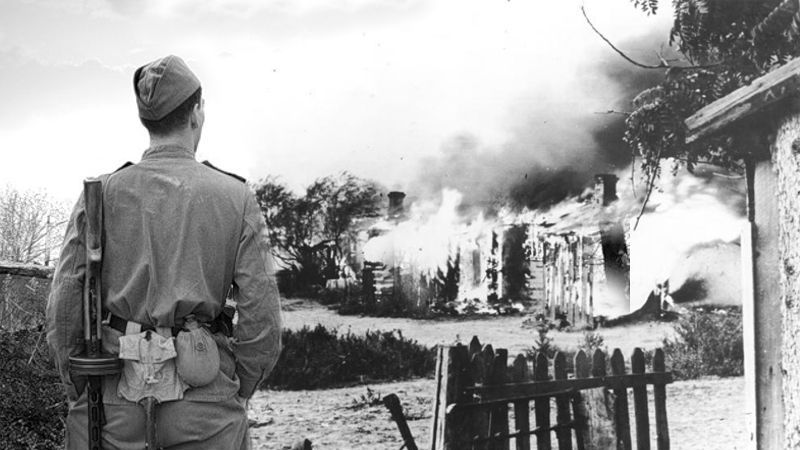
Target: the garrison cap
pixel 162 85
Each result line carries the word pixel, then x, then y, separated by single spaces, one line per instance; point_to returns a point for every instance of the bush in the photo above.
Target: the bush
pixel 32 403
pixel 592 341
pixel 317 358
pixel 22 301
pixel 707 343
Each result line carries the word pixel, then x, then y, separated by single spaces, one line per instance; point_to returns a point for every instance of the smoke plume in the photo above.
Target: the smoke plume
pixel 556 146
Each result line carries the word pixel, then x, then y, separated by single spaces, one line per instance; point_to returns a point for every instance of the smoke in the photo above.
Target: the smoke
pixel 556 146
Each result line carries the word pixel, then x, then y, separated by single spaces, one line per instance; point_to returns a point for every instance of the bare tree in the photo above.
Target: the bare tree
pixel 31 225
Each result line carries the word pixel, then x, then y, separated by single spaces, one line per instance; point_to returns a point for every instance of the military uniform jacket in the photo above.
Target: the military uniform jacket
pixel 177 236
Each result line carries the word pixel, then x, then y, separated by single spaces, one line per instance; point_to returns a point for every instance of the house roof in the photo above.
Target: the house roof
pixel 762 92
pixel 745 101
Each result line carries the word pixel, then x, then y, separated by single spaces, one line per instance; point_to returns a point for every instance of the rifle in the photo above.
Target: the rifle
pixel 93 363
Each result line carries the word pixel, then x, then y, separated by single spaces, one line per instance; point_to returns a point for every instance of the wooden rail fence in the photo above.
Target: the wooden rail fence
pixel 483 403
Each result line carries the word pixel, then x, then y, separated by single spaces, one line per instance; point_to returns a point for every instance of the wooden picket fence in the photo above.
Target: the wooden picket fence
pixel 476 386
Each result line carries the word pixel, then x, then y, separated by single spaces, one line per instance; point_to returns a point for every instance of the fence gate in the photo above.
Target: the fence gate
pixel 482 403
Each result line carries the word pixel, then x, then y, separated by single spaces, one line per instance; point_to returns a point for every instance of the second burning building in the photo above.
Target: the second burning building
pixel 570 262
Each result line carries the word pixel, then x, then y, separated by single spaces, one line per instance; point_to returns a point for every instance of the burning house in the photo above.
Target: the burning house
pixel 570 261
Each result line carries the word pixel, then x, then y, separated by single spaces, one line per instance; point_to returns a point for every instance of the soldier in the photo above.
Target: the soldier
pixel 178 237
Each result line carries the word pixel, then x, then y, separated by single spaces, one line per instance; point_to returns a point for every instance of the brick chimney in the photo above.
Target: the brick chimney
pixel 605 189
pixel 396 208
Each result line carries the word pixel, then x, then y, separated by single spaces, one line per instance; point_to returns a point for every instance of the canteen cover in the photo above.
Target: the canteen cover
pixel 198 357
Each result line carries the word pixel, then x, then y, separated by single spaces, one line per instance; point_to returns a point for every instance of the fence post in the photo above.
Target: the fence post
pixel 368 288
pixel 474 346
pixel 582 368
pixel 660 397
pixel 479 366
pixel 499 417
pixel 521 408
pixel 450 431
pixel 640 403
pixel 600 423
pixel 621 415
pixel 563 415
pixel 542 405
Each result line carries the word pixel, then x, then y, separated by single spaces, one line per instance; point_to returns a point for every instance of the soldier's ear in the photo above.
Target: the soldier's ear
pixel 197 116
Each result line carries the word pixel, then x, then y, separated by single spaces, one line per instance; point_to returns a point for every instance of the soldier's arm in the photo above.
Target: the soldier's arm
pixel 64 313
pixel 257 334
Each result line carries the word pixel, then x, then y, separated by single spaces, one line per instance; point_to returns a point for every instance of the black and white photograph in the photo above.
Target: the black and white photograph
pixel 399 224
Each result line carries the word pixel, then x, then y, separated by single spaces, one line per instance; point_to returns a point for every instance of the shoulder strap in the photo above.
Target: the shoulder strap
pixel 230 174
pixel 127 164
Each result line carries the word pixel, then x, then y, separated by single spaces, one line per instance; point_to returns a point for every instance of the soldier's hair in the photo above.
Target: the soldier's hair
pixel 176 119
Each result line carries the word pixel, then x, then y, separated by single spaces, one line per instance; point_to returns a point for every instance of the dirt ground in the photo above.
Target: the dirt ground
pixel 703 414
pixel 500 331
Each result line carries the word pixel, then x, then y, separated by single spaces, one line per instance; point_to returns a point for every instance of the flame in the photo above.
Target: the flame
pixel 430 236
pixel 683 212
pixel 687 211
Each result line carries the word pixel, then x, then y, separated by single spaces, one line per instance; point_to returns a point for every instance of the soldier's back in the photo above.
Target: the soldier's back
pixel 172 227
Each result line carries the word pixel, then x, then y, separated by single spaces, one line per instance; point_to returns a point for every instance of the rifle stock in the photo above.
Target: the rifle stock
pixel 93 363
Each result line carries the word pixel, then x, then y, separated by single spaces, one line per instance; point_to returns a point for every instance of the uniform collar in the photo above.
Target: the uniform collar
pixel 167 151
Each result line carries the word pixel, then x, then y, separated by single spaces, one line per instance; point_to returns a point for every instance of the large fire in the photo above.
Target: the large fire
pixel 569 240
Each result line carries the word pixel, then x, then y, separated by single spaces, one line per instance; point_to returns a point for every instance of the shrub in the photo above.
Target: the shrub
pixel 22 301
pixel 32 403
pixel 592 341
pixel 707 343
pixel 543 343
pixel 316 358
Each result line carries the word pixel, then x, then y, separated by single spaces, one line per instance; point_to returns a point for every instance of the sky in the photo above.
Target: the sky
pixel 304 89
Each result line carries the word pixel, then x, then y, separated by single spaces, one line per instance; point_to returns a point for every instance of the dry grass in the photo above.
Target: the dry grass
pixel 500 331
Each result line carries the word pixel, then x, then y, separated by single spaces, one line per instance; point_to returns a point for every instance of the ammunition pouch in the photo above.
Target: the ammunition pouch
pixel 149 368
pixel 163 362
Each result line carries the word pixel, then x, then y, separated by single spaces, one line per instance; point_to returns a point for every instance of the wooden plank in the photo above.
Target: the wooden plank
pixel 535 431
pixel 542 406
pixel 453 432
pixel 499 416
pixel 621 414
pixel 392 403
pixel 474 346
pixel 521 391
pixel 26 270
pixel 582 281
pixel 582 370
pixel 479 417
pixel 743 102
pixel 589 298
pixel 640 403
pixel 439 400
pixel 563 415
pixel 520 373
pixel 660 404
pixel 602 432
pixel 769 306
pixel 748 331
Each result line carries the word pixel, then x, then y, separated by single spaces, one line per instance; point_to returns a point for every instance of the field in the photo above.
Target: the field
pixel 703 414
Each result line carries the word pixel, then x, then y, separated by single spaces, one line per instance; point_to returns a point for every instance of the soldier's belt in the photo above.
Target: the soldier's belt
pixel 121 325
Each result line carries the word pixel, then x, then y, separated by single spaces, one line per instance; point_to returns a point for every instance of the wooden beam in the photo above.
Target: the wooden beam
pixel 25 270
pixel 505 393
pixel 781 83
pixel 749 334
pixel 768 308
